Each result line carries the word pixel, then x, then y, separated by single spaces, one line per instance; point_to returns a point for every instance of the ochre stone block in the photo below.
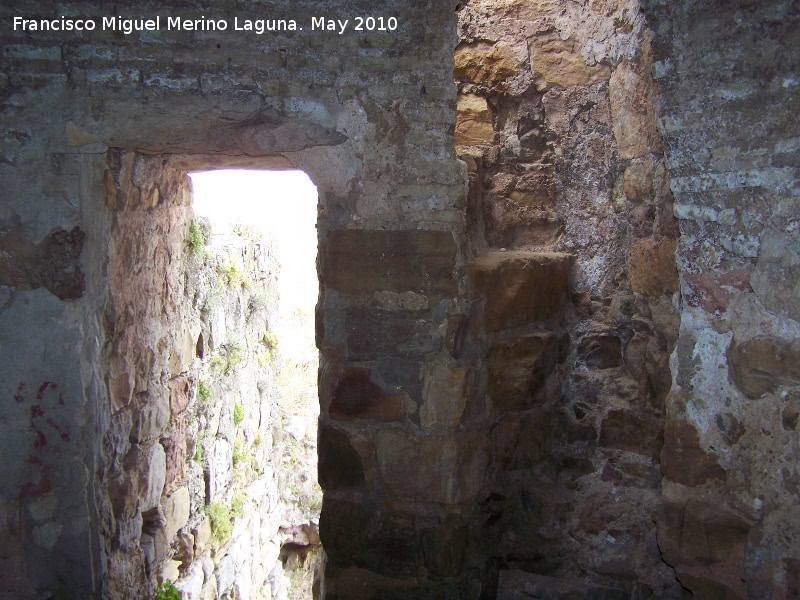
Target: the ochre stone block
pixel 437 468
pixel 485 63
pixel 559 62
pixel 473 121
pixel 445 397
pixel 355 396
pixel 635 430
pixel 363 261
pixel 601 351
pixel 340 467
pixel 521 287
pixel 651 267
pixel 519 368
pixel 638 182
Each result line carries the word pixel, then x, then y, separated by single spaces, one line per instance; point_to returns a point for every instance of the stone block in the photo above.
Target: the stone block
pixel 632 113
pixel 147 465
pixel 635 430
pixel 485 63
pixel 473 121
pixel 776 278
pixel 760 365
pixel 372 333
pixel 518 369
pixel 363 262
pixel 559 62
pixel 179 394
pixel 340 467
pixel 174 444
pixel 369 537
pixel 355 396
pixel 436 468
pixel 175 508
pixel 445 397
pixel 651 267
pixel 638 182
pixel 684 460
pixel 521 288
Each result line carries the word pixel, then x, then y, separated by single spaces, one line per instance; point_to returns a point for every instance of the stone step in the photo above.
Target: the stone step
pixel 521 287
pixel 518 585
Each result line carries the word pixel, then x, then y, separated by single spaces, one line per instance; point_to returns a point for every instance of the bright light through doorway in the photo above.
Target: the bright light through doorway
pixel 284 205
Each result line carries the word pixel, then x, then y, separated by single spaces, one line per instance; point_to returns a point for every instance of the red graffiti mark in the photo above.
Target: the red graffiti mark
pixel 21 389
pixel 43 388
pixel 36 411
pixel 41 439
pixel 66 434
pixel 61 400
pixel 35 490
pixel 35 460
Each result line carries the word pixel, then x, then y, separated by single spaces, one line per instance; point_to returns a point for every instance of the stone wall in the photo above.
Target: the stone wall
pixel 570 216
pixel 368 115
pixel 727 74
pixel 517 379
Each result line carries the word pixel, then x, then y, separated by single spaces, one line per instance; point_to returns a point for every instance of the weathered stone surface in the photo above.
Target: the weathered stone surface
pixel 520 287
pixel 760 365
pixel 431 468
pixel 445 397
pixel 638 182
pixel 518 369
pixel 175 508
pixel 174 444
pixel 340 466
pixel 707 544
pixel 360 261
pixel 555 61
pixel 632 113
pixel 518 585
pixel 53 263
pixel 373 333
pixel 179 392
pixel 355 396
pixel 370 537
pixel 636 430
pixel 683 460
pixel 601 351
pixel 147 465
pixel 651 267
pixel 485 63
pixel 473 121
pixel 776 278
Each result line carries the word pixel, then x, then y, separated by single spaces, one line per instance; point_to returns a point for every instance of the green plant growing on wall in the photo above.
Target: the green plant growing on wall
pixel 197 239
pixel 237 504
pixel 220 517
pixel 238 414
pixel 198 453
pixel 239 452
pixel 232 274
pixel 167 591
pixel 203 391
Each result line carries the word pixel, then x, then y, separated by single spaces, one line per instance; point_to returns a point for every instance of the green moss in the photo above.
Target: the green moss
pixel 167 591
pixel 197 239
pixel 238 413
pixel 237 504
pixel 203 391
pixel 220 517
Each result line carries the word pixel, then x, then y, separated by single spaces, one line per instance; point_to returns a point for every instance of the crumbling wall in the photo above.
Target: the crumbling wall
pixel 727 75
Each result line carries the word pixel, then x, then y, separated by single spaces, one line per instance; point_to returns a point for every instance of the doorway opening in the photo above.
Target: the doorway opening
pixel 255 242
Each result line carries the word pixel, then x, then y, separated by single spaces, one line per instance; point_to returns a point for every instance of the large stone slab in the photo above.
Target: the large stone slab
pixel 362 261
pixel 435 468
pixel 521 287
pixel 518 369
pixel 355 396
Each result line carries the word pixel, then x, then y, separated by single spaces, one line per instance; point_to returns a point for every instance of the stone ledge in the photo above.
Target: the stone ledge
pixel 521 287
